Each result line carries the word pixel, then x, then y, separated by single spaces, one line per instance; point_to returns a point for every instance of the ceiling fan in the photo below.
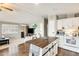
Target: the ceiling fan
pixel 5 6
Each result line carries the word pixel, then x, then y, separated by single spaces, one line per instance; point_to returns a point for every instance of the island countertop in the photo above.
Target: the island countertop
pixel 41 42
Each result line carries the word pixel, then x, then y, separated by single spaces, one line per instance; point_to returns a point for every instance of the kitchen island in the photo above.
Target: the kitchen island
pixel 43 47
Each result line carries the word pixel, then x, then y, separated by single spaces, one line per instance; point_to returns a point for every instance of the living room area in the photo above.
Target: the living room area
pixel 14 37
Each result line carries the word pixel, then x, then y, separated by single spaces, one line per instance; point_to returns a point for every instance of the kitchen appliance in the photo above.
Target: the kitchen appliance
pixel 71 41
pixel 60 32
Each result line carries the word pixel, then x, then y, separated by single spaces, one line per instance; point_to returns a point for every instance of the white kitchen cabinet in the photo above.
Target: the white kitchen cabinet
pixel 53 48
pixel 59 24
pixel 68 23
pixel 61 41
pixel 34 50
pixel 45 49
pixel 52 52
pixel 76 22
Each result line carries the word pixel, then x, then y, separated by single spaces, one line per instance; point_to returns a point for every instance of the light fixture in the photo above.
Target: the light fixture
pixel 5 6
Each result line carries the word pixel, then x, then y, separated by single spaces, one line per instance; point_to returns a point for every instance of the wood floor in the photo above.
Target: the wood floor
pixel 64 52
pixel 4 52
pixel 23 50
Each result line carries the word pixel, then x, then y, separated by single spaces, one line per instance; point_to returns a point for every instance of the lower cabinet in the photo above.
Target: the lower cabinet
pixel 34 50
pixel 47 54
pixel 53 50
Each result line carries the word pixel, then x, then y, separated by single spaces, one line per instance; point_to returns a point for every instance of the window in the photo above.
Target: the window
pixel 9 28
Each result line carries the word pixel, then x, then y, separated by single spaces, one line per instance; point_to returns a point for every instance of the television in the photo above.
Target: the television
pixel 30 30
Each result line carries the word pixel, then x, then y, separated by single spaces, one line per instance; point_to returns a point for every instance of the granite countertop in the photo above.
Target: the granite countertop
pixel 41 42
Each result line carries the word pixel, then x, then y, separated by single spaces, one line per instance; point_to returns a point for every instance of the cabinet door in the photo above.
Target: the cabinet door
pixel 59 24
pixel 60 41
pixel 67 23
pixel 56 49
pixel 76 22
pixel 35 50
pixel 52 52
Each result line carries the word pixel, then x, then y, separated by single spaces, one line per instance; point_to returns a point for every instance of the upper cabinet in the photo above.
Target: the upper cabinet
pixel 59 24
pixel 68 23
pixel 76 22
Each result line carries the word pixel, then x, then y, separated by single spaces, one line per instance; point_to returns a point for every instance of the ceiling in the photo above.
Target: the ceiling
pixel 30 13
